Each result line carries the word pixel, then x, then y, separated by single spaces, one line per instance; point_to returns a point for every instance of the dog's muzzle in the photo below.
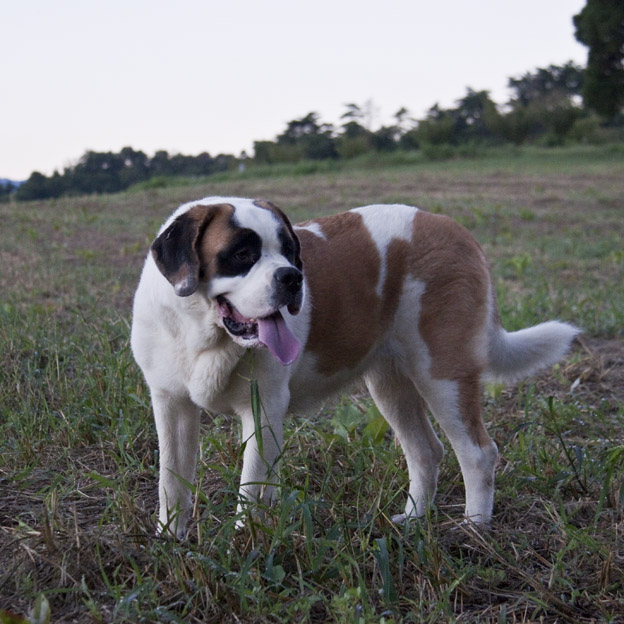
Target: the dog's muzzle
pixel 287 291
pixel 271 330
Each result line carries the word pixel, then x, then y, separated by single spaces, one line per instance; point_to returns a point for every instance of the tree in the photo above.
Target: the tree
pixel 600 26
pixel 476 117
pixel 565 80
pixel 363 115
pixel 299 128
pixel 354 139
pixel 96 172
pixel 545 104
pixel 404 123
pixel 136 167
pixel 401 134
pixel 6 190
pixel 352 130
pixel 354 126
pixel 384 139
pixel 438 128
pixel 320 146
pixel 36 187
pixel 159 164
pixel 313 138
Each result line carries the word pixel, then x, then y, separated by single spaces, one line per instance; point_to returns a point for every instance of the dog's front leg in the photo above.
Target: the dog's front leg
pixel 177 424
pixel 262 437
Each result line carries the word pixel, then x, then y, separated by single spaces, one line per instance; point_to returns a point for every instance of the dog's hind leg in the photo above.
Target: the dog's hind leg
pixel 456 406
pixel 403 407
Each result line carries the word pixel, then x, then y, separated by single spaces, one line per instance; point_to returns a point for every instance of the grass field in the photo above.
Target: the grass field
pixel 78 458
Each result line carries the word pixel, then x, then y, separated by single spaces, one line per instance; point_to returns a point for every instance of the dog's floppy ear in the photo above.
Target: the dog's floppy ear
pixel 298 261
pixel 175 250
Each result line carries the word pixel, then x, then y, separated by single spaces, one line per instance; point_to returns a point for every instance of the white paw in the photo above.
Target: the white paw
pixel 477 521
pixel 406 517
pixel 174 526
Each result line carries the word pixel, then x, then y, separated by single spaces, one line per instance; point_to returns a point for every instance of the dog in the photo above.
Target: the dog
pixel 389 294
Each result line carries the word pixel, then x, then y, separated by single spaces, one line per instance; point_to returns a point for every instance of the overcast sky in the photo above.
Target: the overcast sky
pixel 190 76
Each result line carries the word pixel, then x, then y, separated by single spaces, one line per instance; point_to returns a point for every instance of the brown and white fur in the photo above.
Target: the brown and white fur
pixel 392 295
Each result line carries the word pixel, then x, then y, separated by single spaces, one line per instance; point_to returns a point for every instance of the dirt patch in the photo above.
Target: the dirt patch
pixel 598 373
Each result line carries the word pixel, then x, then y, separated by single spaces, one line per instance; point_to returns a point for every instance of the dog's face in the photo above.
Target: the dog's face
pixel 245 256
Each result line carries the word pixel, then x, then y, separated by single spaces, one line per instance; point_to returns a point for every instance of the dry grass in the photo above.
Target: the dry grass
pixel 77 445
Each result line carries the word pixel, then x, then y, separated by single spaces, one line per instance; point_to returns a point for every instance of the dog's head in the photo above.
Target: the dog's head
pixel 244 255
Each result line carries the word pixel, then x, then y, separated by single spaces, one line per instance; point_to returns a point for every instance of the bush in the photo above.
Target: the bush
pixel 437 152
pixel 319 146
pixel 351 147
pixel 270 153
pixel 436 131
pixel 591 131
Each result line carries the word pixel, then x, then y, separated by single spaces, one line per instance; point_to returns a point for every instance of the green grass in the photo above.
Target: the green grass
pixel 78 451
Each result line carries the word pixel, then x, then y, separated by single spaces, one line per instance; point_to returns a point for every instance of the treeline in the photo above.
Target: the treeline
pixel 7 189
pixel 108 172
pixel 546 108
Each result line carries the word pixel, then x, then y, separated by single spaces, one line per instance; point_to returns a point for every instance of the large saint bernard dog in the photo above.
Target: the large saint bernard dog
pixel 388 294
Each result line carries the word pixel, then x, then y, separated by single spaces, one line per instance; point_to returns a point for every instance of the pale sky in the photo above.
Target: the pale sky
pixel 190 76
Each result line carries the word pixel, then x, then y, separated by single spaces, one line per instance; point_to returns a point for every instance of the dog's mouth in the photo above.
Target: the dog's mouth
pixel 270 331
pixel 235 323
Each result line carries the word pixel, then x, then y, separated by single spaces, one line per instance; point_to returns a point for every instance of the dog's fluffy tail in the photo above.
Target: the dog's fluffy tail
pixel 514 355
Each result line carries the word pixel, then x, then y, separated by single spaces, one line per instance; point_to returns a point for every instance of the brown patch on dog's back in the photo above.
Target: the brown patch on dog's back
pixel 349 317
pixel 447 258
pixel 342 271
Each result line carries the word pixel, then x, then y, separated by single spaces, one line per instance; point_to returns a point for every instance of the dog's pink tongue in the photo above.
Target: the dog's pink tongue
pixel 275 335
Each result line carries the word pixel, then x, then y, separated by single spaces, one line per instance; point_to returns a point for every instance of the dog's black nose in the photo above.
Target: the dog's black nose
pixel 289 278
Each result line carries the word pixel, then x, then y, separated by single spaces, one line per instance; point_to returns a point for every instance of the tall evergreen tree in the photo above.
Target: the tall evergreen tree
pixel 600 26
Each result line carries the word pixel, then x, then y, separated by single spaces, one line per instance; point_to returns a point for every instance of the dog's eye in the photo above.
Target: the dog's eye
pixel 246 256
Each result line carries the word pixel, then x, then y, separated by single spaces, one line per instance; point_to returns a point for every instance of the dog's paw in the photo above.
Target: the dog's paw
pixel 476 523
pixel 405 518
pixel 169 532
pixel 173 526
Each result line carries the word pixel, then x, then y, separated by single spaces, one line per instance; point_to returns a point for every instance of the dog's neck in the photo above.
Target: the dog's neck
pixel 206 340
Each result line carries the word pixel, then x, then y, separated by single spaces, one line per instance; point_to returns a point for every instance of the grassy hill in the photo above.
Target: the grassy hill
pixel 78 460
